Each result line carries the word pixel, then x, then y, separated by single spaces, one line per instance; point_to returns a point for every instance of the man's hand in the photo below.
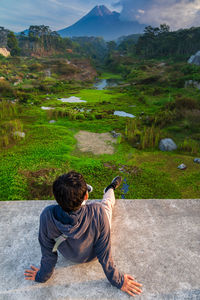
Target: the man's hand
pixel 30 274
pixel 130 286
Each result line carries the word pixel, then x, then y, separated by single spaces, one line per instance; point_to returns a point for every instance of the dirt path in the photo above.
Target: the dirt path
pixel 97 143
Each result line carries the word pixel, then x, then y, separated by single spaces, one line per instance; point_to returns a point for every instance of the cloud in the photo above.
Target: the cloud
pixel 176 13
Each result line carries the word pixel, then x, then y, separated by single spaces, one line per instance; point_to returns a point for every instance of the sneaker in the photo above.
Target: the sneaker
pixel 114 184
pixel 90 188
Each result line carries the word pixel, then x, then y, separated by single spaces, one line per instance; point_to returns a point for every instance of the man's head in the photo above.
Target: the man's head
pixel 70 190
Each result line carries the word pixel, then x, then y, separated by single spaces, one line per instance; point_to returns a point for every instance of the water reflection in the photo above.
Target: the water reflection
pixel 124 188
pixel 106 83
pixel 123 114
pixel 72 99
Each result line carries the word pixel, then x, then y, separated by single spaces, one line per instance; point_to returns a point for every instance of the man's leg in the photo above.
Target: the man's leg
pixel 109 197
pixel 108 202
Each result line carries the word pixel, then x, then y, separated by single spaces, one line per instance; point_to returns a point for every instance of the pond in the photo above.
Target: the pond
pixel 123 114
pixel 72 99
pixel 106 83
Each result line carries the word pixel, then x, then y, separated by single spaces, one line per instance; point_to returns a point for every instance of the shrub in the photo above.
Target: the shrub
pixel 5 88
pixel 80 116
pixel 150 80
pixel 36 67
pixel 63 68
pixel 190 146
pixel 150 137
pixel 163 118
pixel 196 136
pixel 142 138
pixel 24 97
pixel 186 103
pixel 193 116
pixel 132 131
pixel 7 131
pixel 7 110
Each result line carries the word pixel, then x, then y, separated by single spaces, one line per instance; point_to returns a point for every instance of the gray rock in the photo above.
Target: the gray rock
pixel 182 167
pixel 52 121
pixel 167 145
pixel 195 59
pixel 192 83
pixel 115 134
pixel 197 160
pixel 162 65
pixel 20 134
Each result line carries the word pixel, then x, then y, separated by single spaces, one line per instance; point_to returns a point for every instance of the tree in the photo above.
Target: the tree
pixel 3 36
pixel 12 44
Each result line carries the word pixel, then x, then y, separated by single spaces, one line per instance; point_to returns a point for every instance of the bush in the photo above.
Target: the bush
pixel 163 118
pixel 190 146
pixel 194 117
pixel 7 131
pixel 24 97
pixel 150 137
pixel 65 69
pixel 7 110
pixel 6 89
pixel 36 67
pixel 142 138
pixel 186 103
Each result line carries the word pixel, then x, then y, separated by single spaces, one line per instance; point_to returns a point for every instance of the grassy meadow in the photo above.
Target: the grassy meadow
pixel 156 95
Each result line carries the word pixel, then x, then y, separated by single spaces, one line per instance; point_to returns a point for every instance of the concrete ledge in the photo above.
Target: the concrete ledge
pixel 157 241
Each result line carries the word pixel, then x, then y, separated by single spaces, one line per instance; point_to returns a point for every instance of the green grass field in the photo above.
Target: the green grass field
pixel 29 166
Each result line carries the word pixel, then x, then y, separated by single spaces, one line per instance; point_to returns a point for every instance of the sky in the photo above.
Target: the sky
pixel 58 14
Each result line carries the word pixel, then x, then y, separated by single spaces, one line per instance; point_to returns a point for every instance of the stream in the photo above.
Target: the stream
pixel 124 188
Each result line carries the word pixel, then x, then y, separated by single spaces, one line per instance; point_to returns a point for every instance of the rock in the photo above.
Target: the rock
pixel 167 145
pixel 182 167
pixel 192 83
pixel 4 52
pixel 195 59
pixel 20 134
pixel 162 65
pixel 17 82
pixel 115 134
pixel 197 160
pixel 52 121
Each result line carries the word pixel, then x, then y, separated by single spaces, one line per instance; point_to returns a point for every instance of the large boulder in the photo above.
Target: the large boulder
pixel 197 160
pixel 167 145
pixel 195 59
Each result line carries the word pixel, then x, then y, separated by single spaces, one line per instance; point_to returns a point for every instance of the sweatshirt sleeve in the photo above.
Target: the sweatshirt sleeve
pixel 103 252
pixel 49 258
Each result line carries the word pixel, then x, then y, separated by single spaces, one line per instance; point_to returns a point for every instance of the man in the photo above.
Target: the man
pixel 81 232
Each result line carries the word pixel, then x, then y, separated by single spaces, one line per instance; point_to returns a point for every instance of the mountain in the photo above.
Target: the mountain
pixel 100 21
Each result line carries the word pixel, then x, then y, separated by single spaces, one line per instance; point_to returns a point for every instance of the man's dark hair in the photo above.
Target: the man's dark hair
pixel 69 190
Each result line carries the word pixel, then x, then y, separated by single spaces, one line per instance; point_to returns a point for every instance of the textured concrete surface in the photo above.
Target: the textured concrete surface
pixel 157 241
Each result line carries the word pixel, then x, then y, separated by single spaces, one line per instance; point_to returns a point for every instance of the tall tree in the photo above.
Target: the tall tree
pixel 12 44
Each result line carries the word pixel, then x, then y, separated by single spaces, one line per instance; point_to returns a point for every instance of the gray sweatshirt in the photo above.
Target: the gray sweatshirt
pixel 87 233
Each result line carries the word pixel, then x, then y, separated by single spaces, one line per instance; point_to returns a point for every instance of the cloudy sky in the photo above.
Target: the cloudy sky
pixel 58 14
